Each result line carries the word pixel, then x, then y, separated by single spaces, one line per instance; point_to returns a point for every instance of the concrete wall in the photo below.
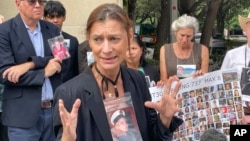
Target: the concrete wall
pixel 76 17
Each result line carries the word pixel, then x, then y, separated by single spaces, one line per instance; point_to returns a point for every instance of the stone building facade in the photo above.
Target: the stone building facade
pixel 76 16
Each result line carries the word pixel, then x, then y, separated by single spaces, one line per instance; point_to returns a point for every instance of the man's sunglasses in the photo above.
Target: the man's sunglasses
pixel 33 2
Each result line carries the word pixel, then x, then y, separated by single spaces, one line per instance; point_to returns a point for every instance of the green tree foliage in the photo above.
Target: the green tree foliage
pixel 227 16
pixel 148 11
pixel 213 15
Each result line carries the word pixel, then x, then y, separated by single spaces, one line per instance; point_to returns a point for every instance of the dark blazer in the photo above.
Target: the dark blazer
pixel 72 62
pixel 82 55
pixel 22 101
pixel 93 123
pixel 152 71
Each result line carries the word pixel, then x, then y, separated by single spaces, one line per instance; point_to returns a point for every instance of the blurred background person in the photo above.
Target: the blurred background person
pixel 3 129
pixel 239 58
pixel 135 59
pixel 213 135
pixel 184 52
pixel 55 13
pixel 85 56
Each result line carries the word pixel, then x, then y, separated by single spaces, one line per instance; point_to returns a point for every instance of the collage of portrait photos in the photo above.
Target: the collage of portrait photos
pixel 215 106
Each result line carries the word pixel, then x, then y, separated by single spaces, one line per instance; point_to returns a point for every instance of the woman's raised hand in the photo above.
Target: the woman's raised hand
pixel 168 105
pixel 69 120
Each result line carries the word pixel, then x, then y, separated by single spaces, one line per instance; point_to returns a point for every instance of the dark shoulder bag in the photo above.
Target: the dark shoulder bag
pixel 245 77
pixel 245 80
pixel 245 86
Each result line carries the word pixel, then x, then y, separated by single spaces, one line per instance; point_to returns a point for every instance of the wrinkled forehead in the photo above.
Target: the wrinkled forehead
pixel 108 27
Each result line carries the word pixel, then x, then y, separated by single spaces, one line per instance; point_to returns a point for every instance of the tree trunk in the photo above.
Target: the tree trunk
pixel 220 20
pixel 220 24
pixel 131 10
pixel 213 7
pixel 184 6
pixel 163 27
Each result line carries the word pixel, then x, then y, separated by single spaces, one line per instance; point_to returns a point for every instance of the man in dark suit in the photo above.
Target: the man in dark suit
pixel 29 73
pixel 55 13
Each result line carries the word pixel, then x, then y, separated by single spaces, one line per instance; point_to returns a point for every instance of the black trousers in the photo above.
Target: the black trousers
pixel 3 131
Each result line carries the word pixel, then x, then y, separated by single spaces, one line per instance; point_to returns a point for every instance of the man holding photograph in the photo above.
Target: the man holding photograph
pixel 55 13
pixel 29 73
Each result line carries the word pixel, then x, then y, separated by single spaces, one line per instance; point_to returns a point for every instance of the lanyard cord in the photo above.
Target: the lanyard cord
pixel 246 56
pixel 106 79
pixel 186 59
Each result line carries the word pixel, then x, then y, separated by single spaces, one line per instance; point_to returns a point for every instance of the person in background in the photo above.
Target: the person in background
pixel 3 129
pixel 239 58
pixel 184 52
pixel 135 59
pixel 55 13
pixel 29 73
pixel 109 32
pixel 84 56
pixel 213 135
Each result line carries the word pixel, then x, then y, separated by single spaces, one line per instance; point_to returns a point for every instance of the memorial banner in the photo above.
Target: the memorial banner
pixel 213 100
